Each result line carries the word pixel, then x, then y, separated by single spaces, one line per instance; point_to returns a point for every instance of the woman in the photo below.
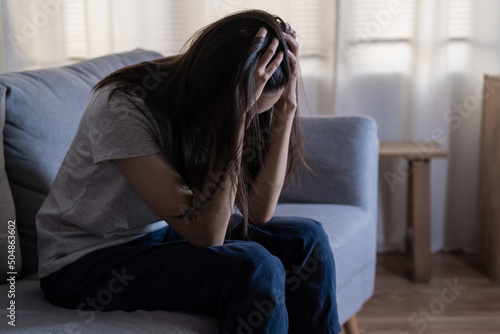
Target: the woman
pixel 182 140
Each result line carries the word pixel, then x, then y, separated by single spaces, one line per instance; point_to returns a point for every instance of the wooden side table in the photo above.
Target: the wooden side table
pixel 418 155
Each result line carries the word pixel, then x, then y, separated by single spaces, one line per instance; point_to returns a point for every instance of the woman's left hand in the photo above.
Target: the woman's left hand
pixel 287 104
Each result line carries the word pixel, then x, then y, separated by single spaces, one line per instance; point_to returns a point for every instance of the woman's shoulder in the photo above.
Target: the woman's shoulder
pixel 112 107
pixel 113 101
pixel 113 93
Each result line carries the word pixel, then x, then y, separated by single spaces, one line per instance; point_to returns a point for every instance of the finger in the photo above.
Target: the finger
pixel 259 38
pixel 268 54
pixel 275 64
pixel 294 45
pixel 261 33
pixel 289 30
pixel 294 63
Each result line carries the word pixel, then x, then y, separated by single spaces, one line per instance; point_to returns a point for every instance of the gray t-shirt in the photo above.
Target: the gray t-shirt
pixel 91 205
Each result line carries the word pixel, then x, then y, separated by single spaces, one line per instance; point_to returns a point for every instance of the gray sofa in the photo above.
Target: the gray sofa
pixel 39 114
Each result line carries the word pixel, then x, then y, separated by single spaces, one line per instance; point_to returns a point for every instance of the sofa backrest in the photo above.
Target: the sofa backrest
pixel 342 152
pixel 10 250
pixel 42 110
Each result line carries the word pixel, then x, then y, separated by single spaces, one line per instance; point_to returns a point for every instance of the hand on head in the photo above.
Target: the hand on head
pixel 265 68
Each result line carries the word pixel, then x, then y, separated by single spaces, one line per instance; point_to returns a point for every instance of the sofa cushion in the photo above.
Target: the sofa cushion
pixel 7 212
pixel 36 315
pixel 43 109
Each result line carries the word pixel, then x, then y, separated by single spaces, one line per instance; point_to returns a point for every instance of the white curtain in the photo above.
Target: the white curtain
pixel 416 66
pixel 83 29
pixel 31 34
pixel 98 27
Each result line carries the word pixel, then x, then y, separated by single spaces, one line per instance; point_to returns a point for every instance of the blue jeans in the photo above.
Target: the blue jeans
pixel 280 281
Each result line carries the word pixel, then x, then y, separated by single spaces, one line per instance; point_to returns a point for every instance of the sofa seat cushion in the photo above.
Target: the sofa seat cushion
pixel 34 314
pixel 351 232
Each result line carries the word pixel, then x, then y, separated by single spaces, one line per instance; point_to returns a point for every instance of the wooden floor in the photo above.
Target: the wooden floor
pixel 459 300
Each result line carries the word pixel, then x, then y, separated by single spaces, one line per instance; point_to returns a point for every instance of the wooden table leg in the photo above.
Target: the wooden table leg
pixel 419 218
pixel 351 326
pixel 409 217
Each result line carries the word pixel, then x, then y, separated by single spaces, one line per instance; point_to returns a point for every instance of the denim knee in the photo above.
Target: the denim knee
pixel 258 298
pixel 307 231
pixel 256 262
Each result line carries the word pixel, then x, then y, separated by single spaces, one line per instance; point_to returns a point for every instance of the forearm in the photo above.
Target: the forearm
pixel 271 177
pixel 212 219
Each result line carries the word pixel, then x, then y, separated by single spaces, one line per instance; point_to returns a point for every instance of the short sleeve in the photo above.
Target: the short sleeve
pixel 120 127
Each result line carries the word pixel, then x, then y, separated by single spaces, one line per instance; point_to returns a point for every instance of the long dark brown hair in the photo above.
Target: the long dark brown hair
pixel 204 93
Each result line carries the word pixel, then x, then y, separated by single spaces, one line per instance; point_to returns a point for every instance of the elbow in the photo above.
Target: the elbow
pixel 262 218
pixel 203 240
pixel 259 213
pixel 200 233
pixel 261 221
pixel 205 243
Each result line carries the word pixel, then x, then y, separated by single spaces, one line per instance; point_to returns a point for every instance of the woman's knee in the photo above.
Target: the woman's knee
pixel 256 262
pixel 301 227
pixel 305 233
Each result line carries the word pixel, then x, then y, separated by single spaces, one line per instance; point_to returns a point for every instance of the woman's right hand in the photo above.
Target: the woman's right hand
pixel 264 70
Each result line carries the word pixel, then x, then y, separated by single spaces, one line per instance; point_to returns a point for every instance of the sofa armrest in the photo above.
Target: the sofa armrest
pixel 343 153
